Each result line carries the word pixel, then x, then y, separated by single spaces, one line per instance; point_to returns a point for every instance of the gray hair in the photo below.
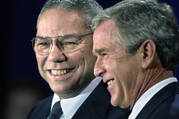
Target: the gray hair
pixel 139 20
pixel 90 8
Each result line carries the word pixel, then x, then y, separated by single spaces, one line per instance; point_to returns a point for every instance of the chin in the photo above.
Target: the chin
pixel 114 103
pixel 56 88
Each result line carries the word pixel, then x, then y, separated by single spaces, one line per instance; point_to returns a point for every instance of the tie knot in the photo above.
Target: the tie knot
pixel 56 111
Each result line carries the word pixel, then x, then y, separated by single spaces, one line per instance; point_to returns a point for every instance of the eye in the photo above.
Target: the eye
pixel 70 40
pixel 43 44
pixel 70 43
pixel 103 54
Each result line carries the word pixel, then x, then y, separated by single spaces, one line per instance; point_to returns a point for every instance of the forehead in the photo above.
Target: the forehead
pixel 57 21
pixel 105 34
pixel 105 40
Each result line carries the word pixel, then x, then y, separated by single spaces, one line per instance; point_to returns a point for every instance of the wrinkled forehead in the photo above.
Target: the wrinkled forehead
pixel 106 31
pixel 57 21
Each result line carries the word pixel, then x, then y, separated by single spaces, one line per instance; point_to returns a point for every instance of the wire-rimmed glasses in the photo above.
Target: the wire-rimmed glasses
pixel 66 43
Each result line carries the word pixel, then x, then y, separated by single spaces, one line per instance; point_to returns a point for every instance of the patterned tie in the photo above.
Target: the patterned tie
pixel 56 111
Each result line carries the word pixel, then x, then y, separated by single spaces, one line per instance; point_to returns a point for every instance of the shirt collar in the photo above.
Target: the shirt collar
pixel 142 101
pixel 71 105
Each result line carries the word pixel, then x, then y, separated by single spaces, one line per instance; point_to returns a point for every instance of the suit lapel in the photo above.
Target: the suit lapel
pixel 159 98
pixel 42 110
pixel 95 106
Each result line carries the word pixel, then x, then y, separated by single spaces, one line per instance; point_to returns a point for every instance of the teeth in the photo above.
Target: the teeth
pixel 110 82
pixel 58 72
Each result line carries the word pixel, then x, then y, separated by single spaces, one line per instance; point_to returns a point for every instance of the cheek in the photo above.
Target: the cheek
pixel 110 65
pixel 75 58
pixel 127 73
pixel 90 58
pixel 89 61
pixel 40 62
pixel 87 55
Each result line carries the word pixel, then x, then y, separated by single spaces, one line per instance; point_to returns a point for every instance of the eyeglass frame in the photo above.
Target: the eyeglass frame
pixel 60 38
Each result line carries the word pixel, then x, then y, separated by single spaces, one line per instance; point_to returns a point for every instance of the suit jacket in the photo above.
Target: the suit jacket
pixel 96 106
pixel 163 104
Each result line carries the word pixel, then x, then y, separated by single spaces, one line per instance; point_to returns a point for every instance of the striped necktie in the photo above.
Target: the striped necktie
pixel 56 111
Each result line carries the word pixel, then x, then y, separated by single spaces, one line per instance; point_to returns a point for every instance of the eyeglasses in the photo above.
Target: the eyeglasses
pixel 66 43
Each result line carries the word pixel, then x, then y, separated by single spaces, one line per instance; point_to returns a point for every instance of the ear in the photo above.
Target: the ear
pixel 147 53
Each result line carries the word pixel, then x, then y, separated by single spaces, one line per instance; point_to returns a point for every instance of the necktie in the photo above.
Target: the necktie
pixel 56 111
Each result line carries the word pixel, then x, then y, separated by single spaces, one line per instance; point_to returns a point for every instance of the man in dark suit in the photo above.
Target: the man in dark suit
pixel 63 48
pixel 137 47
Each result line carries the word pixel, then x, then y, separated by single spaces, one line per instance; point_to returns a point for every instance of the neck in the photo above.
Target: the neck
pixel 150 78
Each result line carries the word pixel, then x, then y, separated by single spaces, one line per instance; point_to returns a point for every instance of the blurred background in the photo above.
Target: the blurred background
pixel 21 84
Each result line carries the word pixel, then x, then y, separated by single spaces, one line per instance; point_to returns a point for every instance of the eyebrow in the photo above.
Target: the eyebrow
pixel 65 35
pixel 46 37
pixel 55 36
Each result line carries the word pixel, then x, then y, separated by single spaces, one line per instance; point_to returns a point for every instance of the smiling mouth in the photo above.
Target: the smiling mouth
pixel 110 82
pixel 60 71
pixel 61 74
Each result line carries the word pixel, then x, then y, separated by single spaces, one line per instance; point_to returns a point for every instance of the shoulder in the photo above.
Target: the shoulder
pixel 42 107
pixel 161 104
pixel 44 103
pixel 174 111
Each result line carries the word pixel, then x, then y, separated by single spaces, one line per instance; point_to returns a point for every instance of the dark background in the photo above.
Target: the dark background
pixel 18 26
pixel 19 58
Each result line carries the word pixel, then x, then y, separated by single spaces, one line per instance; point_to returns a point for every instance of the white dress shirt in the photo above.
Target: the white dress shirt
pixel 71 105
pixel 142 101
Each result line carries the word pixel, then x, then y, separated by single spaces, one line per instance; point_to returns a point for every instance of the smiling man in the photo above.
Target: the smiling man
pixel 63 48
pixel 137 45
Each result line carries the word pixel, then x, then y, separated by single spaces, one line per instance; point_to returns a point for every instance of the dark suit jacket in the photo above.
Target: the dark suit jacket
pixel 96 106
pixel 163 104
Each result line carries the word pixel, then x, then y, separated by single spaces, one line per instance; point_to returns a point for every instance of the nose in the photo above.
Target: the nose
pixel 99 69
pixel 56 54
